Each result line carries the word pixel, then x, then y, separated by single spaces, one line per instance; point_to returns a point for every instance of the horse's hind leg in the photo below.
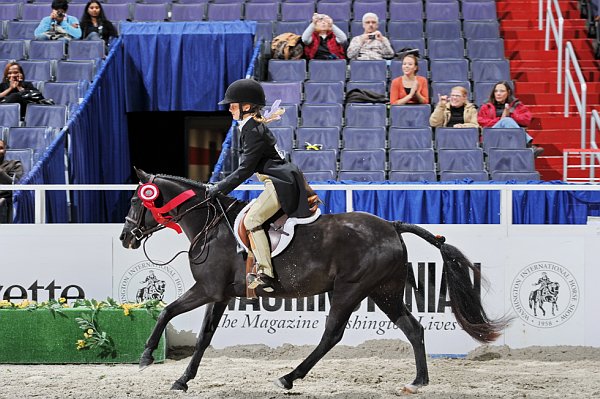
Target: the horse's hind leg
pixel 212 316
pixel 343 303
pixel 191 299
pixel 389 300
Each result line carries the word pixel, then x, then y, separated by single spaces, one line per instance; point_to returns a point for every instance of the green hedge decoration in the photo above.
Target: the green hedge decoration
pixel 44 336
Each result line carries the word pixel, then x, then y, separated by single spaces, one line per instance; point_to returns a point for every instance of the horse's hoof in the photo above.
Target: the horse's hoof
pixel 179 386
pixel 146 362
pixel 410 388
pixel 283 383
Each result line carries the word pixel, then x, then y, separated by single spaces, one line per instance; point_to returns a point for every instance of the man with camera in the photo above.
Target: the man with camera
pixel 371 45
pixel 59 25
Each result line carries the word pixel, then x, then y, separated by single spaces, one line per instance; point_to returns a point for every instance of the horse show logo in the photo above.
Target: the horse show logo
pixel 545 294
pixel 147 281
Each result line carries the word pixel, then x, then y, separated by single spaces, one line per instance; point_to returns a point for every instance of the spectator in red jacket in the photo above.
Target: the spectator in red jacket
pixel 323 40
pixel 503 110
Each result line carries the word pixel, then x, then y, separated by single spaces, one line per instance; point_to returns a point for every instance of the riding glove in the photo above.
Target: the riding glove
pixel 212 191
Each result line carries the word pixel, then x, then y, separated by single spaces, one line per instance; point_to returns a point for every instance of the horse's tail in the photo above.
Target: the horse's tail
pixel 464 298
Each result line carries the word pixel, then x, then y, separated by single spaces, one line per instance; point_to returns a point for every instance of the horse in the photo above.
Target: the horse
pixel 546 294
pixel 351 256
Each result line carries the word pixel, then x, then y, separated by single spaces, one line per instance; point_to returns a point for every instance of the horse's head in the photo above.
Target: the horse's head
pixel 153 207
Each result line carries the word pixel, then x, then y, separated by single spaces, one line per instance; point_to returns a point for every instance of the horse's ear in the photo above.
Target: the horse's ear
pixel 143 176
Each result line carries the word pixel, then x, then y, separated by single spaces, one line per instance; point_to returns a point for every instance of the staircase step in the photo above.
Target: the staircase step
pixel 532 23
pixel 540 109
pixel 524 13
pixel 532 6
pixel 536 44
pixel 535 64
pixel 540 75
pixel 542 121
pixel 553 98
pixel 549 87
pixel 581 54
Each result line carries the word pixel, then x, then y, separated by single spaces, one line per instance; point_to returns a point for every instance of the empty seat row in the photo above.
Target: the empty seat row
pixel 20 49
pixel 54 116
pixel 62 71
pixel 35 138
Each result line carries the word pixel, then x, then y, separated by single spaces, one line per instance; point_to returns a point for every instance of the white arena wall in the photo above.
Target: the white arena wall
pixel 43 261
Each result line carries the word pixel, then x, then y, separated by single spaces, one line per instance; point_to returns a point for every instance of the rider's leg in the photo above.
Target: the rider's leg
pixel 265 206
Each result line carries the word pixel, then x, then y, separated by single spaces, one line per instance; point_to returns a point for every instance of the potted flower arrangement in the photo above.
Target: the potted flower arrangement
pixel 84 331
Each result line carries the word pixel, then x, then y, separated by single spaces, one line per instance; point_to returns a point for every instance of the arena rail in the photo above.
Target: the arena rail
pixel 506 209
pixel 557 33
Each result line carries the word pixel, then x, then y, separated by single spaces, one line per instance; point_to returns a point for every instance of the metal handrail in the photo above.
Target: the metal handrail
pixel 540 14
pixel 594 122
pixel 580 101
pixel 558 36
pixel 506 207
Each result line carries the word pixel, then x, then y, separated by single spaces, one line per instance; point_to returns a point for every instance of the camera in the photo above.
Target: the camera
pixel 60 14
pixel 372 36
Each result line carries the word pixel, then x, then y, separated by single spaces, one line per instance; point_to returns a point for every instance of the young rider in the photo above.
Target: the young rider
pixel 283 181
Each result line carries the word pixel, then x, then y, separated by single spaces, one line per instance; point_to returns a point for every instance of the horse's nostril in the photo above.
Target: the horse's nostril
pixel 122 236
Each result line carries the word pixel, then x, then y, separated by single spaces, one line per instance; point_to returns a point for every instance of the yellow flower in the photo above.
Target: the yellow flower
pixel 80 344
pixel 126 311
pixel 90 331
pixel 65 305
pixel 86 335
pixel 62 300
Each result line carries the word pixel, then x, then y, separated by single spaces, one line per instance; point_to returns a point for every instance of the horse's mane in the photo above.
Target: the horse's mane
pixel 184 180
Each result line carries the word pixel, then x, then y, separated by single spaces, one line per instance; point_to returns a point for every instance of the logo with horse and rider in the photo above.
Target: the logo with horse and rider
pixel 545 294
pixel 146 281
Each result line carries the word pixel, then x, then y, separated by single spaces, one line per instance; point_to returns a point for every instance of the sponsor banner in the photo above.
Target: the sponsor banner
pixel 534 274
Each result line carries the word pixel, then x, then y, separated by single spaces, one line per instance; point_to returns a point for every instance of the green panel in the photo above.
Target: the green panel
pixel 40 337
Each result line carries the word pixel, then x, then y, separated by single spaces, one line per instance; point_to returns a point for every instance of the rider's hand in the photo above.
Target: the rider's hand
pixel 212 191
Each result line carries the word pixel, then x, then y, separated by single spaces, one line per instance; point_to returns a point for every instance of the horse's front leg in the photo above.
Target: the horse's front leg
pixel 212 316
pixel 542 308
pixel 190 300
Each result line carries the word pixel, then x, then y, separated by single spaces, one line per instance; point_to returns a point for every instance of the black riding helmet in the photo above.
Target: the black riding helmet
pixel 244 91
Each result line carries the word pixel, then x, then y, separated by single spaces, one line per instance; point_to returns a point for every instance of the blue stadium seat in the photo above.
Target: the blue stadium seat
pixel 323 92
pixel 361 7
pixel 327 70
pixel 460 176
pixel 362 176
pixel 377 87
pixel 37 70
pixel 86 50
pixel 21 29
pixel 368 71
pixel 54 116
pixel 406 11
pixel 443 29
pixel 322 115
pixel 410 138
pixel 181 12
pixel 490 70
pixel 297 11
pixel 482 91
pixel 445 11
pixel 34 11
pixel 366 115
pixel 75 71
pixel 145 12
pixel 481 29
pixel 65 93
pixel 36 138
pixel 444 49
pixel 46 50
pixel 479 10
pixel 510 160
pixel 449 70
pixel 117 12
pixel 321 175
pixel 12 50
pixel 336 10
pixel 396 68
pixel 224 12
pixel 24 155
pixel 361 160
pixel 503 138
pixel 10 114
pixel 516 176
pixel 296 27
pixel 412 176
pixel 327 137
pixel 261 11
pixel 287 70
pixel 285 138
pixel 405 29
pixel 10 11
pixel 412 160
pixel 313 161
pixel 264 31
pixel 456 138
pixel 410 115
pixel 287 92
pixel 461 160
pixel 289 118
pixel 365 138
pixel 485 49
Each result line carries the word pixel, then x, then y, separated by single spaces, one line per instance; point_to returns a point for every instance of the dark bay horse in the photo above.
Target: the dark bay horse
pixel 350 255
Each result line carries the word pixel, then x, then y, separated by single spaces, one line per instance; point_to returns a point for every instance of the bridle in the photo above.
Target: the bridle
pixel 149 192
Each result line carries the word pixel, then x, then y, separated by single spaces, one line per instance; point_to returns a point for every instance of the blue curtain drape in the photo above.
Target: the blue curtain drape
pixel 184 66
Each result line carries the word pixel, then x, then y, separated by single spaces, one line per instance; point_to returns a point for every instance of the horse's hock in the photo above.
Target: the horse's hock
pixel 41 336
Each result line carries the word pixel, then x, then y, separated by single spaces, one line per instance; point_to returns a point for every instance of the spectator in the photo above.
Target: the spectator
pixel 14 88
pixel 323 40
pixel 59 25
pixel 371 45
pixel 503 110
pixel 95 25
pixel 10 171
pixel 454 110
pixel 409 88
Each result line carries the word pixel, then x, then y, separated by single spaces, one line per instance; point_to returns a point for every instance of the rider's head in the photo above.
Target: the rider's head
pixel 244 96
